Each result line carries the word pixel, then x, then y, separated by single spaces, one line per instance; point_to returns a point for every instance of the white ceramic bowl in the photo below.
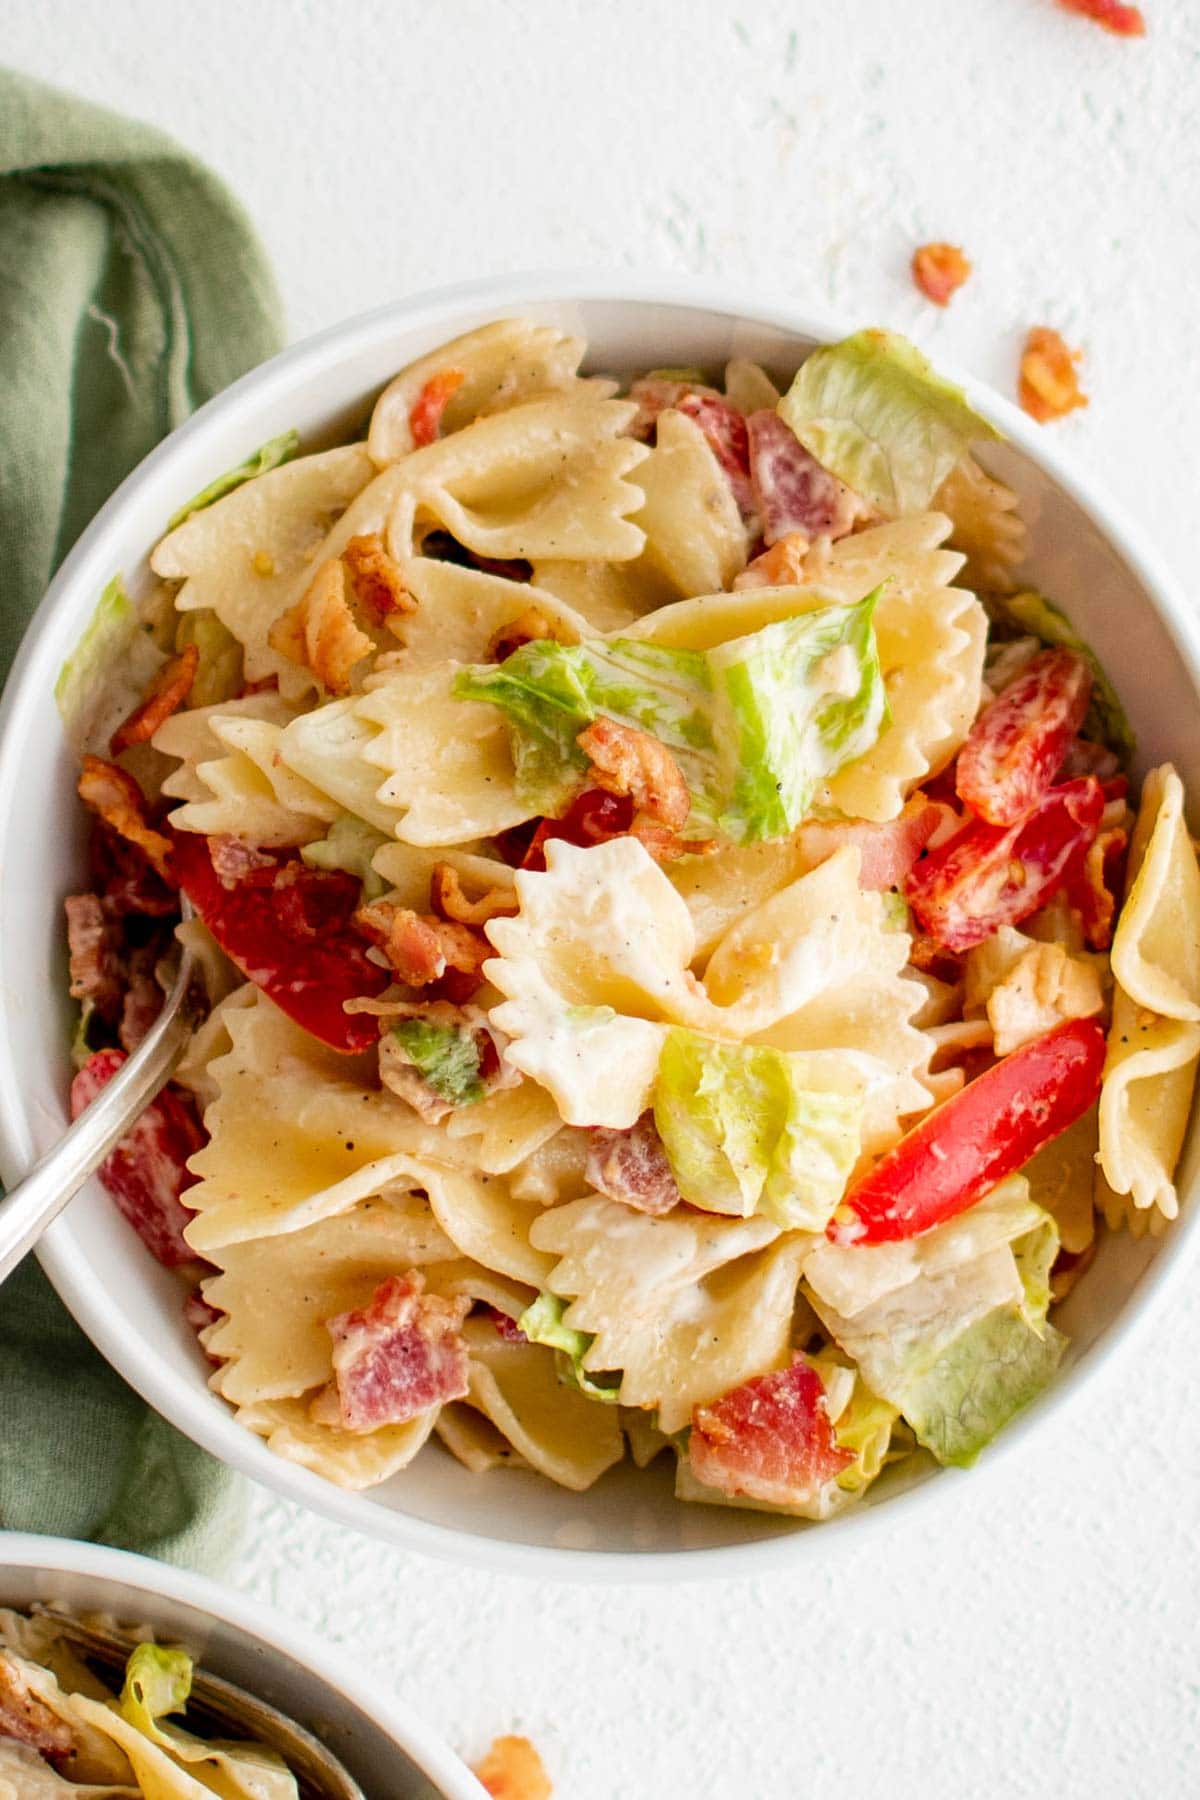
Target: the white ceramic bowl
pixel 390 1754
pixel 1083 551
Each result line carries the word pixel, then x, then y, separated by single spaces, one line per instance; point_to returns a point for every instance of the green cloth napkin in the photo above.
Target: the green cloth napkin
pixel 132 288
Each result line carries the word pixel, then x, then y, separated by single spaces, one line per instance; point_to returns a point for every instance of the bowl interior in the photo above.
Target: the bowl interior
pixel 129 1306
pixel 386 1752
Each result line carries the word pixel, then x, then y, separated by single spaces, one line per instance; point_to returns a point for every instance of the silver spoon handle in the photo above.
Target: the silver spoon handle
pixel 58 1176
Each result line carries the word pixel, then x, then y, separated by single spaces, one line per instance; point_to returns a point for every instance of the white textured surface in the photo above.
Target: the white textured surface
pixel 1040 1637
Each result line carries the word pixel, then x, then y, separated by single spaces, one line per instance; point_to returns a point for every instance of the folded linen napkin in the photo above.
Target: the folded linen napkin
pixel 132 288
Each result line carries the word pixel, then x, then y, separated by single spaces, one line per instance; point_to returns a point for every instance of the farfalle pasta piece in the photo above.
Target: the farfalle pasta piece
pixel 1154 1043
pixel 609 595
pixel 695 539
pixel 459 612
pixel 297 1133
pixel 595 966
pixel 350 1459
pixel 506 1129
pixel 275 1295
pixel 249 556
pixel 500 366
pixel 189 737
pixel 552 1426
pixel 749 387
pixel 328 747
pixel 685 1307
pixel 931 637
pixel 251 793
pixel 985 525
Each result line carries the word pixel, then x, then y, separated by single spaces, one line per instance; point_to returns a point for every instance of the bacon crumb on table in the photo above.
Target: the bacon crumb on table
pixel 119 801
pixel 1114 15
pixel 395 1357
pixel 628 761
pixel 513 1770
pixel 632 1166
pixel 1049 380
pixel 165 695
pixel 939 270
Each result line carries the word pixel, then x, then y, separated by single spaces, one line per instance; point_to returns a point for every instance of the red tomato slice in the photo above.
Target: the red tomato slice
pixel 992 875
pixel 592 818
pixel 1018 743
pixel 293 939
pixel 769 1439
pixel 988 1130
pixel 147 1172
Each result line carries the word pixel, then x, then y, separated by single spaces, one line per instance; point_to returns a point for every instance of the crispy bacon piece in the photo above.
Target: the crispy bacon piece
pixel 94 947
pixel 1049 380
pixel 1094 882
pixel 627 761
pixel 375 578
pixel 770 1439
pixel 513 1770
pixel 594 817
pixel 419 947
pixel 780 566
pixel 728 439
pixel 529 627
pixel 128 886
pixel 889 852
pixel 235 861
pixel 147 1172
pixel 792 491
pixel 632 1166
pixel 25 1717
pixel 1114 15
pixel 394 1358
pixel 319 631
pixel 664 845
pixel 939 270
pixel 448 901
pixel 119 801
pixel 165 695
pixel 141 1005
pixel 425 416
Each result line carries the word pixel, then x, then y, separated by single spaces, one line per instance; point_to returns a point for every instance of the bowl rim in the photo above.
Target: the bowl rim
pixel 26 694
pixel 271 1629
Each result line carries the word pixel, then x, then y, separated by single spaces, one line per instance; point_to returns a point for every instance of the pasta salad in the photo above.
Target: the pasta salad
pixel 64 1731
pixel 689 973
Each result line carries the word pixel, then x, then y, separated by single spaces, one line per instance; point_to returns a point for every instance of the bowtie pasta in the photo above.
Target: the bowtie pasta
pixel 688 971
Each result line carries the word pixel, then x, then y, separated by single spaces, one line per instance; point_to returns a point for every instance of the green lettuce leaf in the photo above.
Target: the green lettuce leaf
pixel 271 455
pixel 754 724
pixel 542 1323
pixel 875 412
pixel 744 1134
pixel 107 673
pixel 157 1682
pixel 89 1035
pixel 349 844
pixel 219 674
pixel 864 1426
pixel 1106 722
pixel 959 1340
pixel 447 1058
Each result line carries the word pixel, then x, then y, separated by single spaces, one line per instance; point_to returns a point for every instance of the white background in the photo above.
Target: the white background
pixel 1039 1637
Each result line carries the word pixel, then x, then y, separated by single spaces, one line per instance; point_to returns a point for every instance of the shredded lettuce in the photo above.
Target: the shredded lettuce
pixel 157 1681
pixel 744 1134
pixel 349 844
pixel 864 1425
pixel 447 1058
pixel 542 1323
pixel 89 1035
pixel 754 724
pixel 875 412
pixel 1106 721
pixel 219 674
pixel 107 673
pixel 271 455
pixel 962 1345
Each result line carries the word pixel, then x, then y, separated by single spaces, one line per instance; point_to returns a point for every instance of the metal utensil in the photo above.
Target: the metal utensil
pixel 220 1709
pixel 58 1176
